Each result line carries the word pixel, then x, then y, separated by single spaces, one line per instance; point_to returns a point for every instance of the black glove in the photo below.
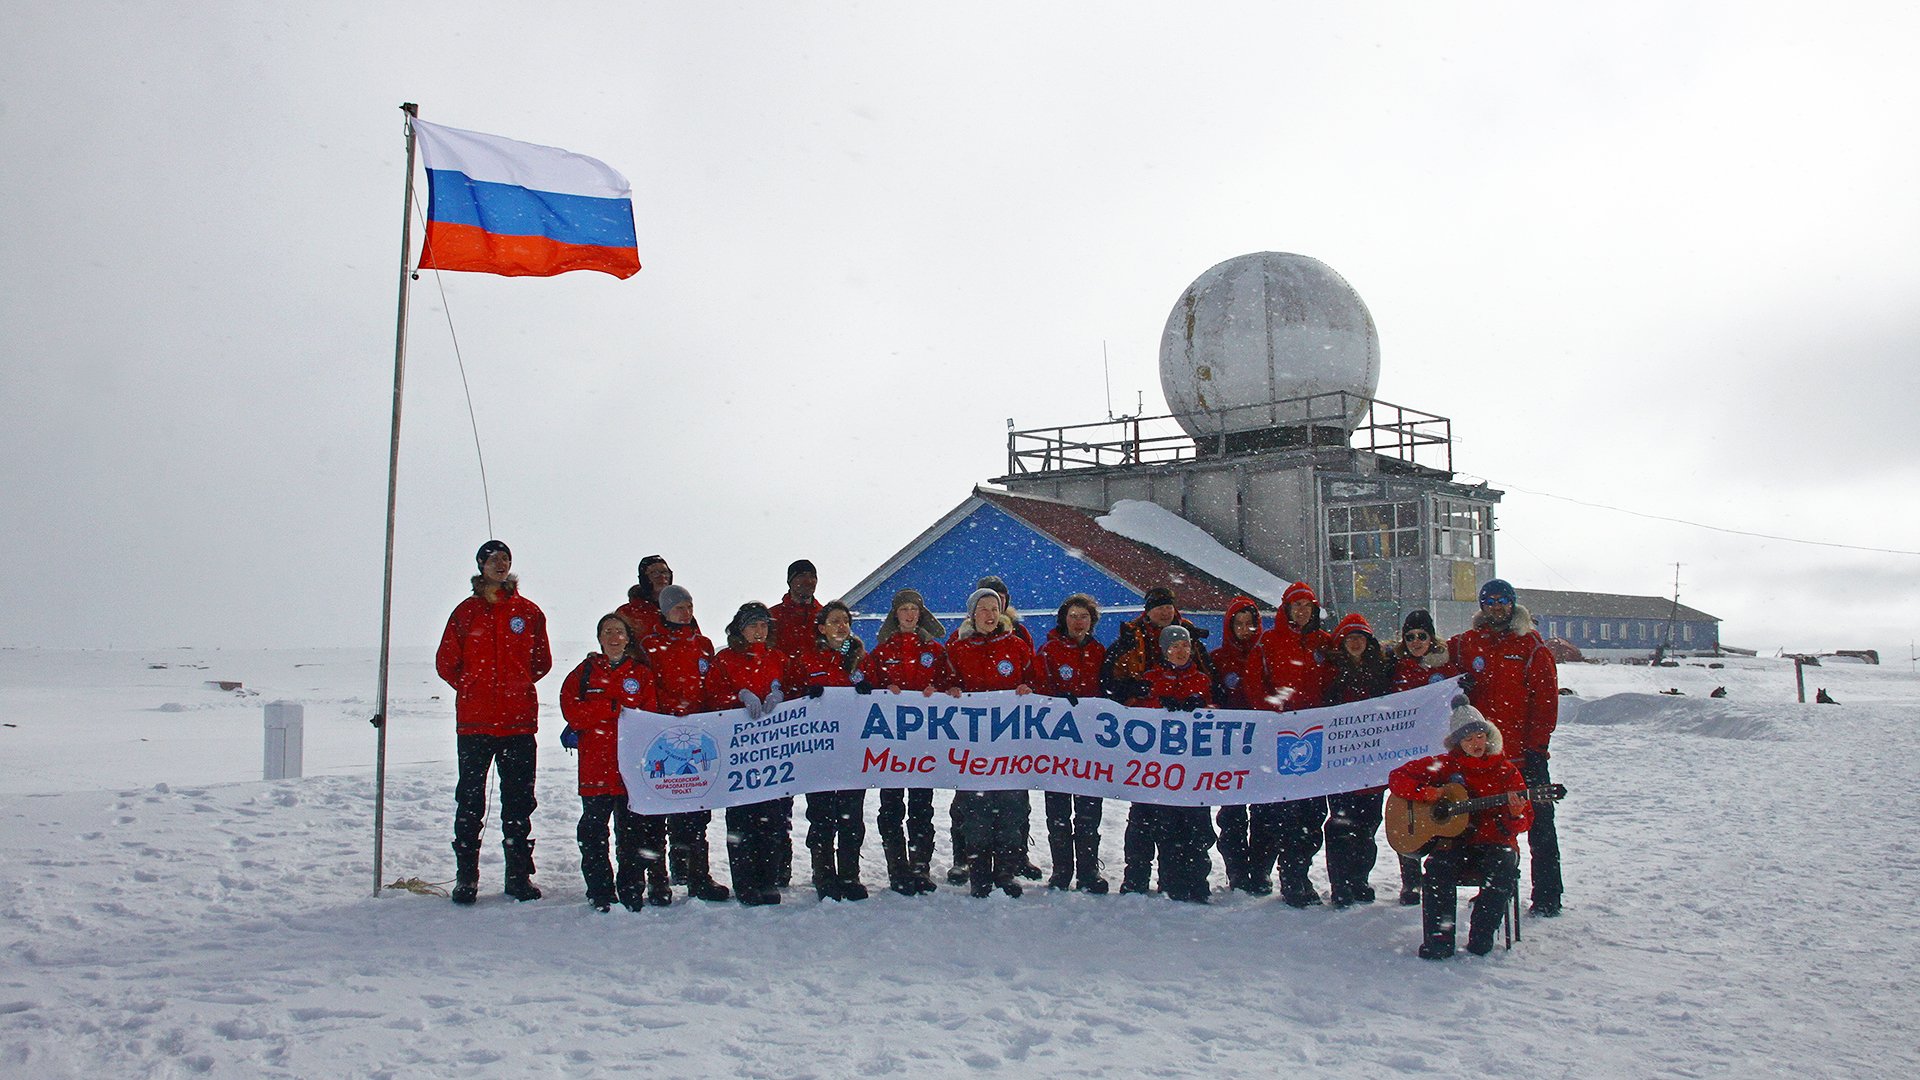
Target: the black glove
pixel 863 687
pixel 1072 699
pixel 1185 704
pixel 1135 688
pixel 570 737
pixel 1466 683
pixel 815 691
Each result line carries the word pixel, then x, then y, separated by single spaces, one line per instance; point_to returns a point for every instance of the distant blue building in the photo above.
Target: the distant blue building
pixel 1607 621
pixel 1045 551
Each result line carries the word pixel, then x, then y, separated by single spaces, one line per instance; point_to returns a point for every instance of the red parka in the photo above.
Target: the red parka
pixel 1069 668
pixel 591 698
pixel 1412 672
pixel 1291 666
pixel 792 628
pixel 1230 659
pixel 1493 774
pixel 1001 660
pixel 680 656
pixel 1515 682
pixel 908 661
pixel 1167 683
pixel 491 654
pixel 816 665
pixel 752 666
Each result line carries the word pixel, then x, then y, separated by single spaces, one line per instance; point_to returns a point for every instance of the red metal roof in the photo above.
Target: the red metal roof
pixel 1138 565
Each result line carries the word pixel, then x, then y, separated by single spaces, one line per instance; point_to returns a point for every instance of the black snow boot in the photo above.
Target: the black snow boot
pixel 466 874
pixel 1061 848
pixel 1489 909
pixel 979 876
pixel 1008 867
pixel 1086 858
pixel 677 865
pixel 826 879
pixel 520 870
pixel 700 883
pixel 900 873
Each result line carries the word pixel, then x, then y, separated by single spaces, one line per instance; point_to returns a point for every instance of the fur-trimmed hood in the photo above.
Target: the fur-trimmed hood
pixel 967 629
pixel 510 588
pixel 927 629
pixel 1519 626
pixel 1436 657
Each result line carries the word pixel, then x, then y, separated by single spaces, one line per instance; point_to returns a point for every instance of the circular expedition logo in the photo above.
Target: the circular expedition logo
pixel 926 659
pixel 630 684
pixel 681 762
pixel 1004 667
pixel 517 624
pixel 1066 672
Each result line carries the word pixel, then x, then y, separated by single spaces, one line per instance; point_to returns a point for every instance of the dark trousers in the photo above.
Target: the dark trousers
pixel 1353 820
pixel 1073 825
pixel 1179 836
pixel 1235 848
pixel 639 841
pixel 836 827
pixel 994 829
pixel 1543 840
pixel 1297 831
pixel 515 756
pixel 914 808
pixel 754 837
pixel 687 844
pixel 1495 867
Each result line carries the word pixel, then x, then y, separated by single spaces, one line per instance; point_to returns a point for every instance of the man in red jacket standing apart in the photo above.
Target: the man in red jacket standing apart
pixel 493 651
pixel 792 629
pixel 1512 680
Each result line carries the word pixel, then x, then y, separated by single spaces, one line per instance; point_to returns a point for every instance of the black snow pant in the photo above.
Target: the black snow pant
pixel 783 855
pixel 836 827
pixel 1495 867
pixel 1073 836
pixel 1179 836
pixel 957 828
pixel 1235 851
pixel 1353 821
pixel 911 850
pixel 516 757
pixel 1298 828
pixel 687 850
pixel 1543 839
pixel 638 842
pixel 995 832
pixel 754 836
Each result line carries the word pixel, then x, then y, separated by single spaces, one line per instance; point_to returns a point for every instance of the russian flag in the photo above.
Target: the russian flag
pixel 500 206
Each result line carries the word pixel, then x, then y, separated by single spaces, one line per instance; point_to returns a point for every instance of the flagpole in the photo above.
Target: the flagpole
pixel 393 479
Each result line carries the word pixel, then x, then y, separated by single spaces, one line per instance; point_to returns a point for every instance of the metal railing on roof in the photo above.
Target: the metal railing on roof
pixel 1317 420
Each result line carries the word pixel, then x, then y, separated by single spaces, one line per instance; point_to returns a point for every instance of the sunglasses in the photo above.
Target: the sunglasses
pixel 1419 635
pixel 1495 603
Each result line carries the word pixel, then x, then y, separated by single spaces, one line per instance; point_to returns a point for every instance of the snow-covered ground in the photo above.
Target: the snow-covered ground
pixel 1741 902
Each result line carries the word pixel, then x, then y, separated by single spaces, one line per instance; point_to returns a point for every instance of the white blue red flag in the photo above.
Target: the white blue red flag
pixel 500 206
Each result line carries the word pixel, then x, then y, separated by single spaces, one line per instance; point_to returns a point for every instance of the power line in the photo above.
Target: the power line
pixel 1698 524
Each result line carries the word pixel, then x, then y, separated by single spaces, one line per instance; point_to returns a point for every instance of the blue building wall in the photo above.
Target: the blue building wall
pixel 1039 574
pixel 1588 632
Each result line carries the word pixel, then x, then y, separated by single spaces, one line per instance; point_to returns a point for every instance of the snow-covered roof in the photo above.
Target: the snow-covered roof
pixel 1158 527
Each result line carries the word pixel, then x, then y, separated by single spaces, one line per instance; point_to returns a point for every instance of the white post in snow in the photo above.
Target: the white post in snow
pixel 286 728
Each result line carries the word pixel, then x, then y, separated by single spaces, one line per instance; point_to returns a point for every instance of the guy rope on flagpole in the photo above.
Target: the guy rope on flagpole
pixel 393 478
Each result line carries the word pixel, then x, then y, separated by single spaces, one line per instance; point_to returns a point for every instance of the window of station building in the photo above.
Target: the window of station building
pixel 1462 530
pixel 1373 531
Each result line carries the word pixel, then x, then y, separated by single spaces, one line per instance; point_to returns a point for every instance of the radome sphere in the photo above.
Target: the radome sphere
pixel 1263 328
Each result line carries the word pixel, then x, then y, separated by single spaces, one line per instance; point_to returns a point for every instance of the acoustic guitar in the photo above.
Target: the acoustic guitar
pixel 1411 826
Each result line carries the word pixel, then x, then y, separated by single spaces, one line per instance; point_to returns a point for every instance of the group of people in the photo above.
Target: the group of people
pixel 653 657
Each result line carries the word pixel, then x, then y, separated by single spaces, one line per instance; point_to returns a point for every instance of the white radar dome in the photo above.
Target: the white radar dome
pixel 1262 329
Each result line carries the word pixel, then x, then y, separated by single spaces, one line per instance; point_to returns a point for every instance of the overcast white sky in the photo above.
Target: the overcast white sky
pixel 1659 256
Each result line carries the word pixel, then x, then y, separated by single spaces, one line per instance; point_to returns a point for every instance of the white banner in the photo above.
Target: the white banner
pixel 984 742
